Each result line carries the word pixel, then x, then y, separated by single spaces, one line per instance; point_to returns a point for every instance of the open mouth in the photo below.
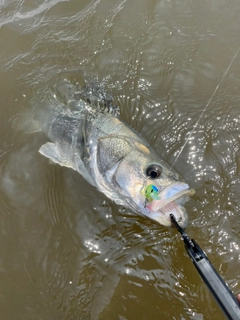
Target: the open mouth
pixel 172 194
pixel 171 201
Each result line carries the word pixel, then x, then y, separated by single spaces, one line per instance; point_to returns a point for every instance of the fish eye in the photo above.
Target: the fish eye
pixel 154 171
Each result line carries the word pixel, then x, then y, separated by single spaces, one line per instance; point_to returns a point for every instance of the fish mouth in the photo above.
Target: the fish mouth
pixel 171 201
pixel 176 196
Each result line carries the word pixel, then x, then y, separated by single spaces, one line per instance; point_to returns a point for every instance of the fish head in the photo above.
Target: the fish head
pixel 150 186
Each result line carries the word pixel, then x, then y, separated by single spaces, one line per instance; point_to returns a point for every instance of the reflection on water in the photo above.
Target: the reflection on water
pixel 66 251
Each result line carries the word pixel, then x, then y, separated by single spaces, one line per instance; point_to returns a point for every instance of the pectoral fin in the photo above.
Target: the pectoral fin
pixel 51 151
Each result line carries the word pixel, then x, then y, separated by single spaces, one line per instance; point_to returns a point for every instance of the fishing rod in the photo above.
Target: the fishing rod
pixel 215 283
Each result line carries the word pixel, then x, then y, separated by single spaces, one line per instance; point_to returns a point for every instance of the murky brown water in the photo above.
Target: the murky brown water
pixel 67 252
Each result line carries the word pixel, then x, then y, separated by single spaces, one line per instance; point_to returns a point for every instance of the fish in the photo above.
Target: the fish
pixel 86 134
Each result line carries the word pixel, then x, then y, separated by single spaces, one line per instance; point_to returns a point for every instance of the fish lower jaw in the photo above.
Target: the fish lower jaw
pixel 162 216
pixel 179 213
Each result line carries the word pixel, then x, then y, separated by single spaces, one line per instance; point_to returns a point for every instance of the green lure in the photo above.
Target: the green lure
pixel 150 192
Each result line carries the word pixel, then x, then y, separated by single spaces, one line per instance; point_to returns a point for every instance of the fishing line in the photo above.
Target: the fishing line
pixel 206 106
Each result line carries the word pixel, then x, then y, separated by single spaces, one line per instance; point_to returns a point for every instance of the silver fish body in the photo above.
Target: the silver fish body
pixel 110 155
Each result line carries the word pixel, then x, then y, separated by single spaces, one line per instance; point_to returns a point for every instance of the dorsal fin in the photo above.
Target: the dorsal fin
pixel 94 94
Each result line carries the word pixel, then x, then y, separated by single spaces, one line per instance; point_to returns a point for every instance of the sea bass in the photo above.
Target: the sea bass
pixel 87 135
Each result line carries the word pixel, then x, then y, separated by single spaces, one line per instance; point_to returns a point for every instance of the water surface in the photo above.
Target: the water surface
pixel 66 251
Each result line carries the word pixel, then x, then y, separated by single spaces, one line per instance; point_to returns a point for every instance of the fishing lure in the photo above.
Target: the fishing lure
pixel 150 192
